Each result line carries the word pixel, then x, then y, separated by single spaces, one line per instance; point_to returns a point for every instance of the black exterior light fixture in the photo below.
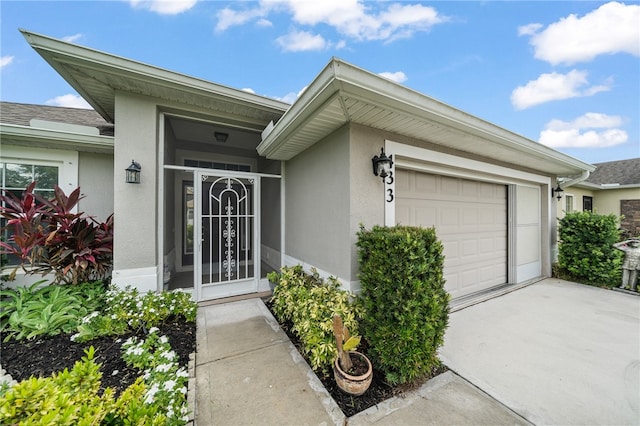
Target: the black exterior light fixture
pixel 382 164
pixel 557 192
pixel 133 172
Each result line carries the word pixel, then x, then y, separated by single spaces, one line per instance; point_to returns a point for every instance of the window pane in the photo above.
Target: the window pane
pixel 18 175
pixel 46 176
pixel 16 179
pixel 569 203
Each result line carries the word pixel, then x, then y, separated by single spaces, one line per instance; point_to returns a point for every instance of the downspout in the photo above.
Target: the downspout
pixel 582 177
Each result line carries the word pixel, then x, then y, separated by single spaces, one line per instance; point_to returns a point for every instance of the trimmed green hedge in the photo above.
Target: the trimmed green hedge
pixel 406 308
pixel 586 249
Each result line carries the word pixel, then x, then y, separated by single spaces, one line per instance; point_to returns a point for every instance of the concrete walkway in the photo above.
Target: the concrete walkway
pixel 555 352
pixel 249 373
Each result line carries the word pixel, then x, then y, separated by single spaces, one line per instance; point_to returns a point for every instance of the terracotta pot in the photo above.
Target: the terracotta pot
pixel 353 385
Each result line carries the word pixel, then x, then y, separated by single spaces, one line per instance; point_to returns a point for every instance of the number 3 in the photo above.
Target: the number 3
pixel 390 193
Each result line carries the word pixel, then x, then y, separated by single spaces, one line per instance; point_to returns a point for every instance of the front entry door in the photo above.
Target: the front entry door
pixel 229 261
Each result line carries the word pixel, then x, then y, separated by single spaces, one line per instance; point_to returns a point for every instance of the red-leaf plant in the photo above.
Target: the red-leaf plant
pixel 46 236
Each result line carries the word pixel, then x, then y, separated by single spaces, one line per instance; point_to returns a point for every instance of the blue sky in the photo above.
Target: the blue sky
pixel 566 74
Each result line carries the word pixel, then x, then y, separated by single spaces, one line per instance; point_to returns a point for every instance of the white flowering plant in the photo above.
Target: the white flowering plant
pixel 129 310
pixel 166 382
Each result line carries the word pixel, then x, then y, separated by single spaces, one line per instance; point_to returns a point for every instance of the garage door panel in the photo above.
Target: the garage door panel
pixel 426 184
pixel 470 218
pixel 449 186
pixel 428 215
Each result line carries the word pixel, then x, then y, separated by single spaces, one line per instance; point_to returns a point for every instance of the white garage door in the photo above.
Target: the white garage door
pixel 470 218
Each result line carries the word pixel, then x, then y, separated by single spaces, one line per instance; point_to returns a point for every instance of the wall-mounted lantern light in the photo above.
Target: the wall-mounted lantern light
pixel 557 192
pixel 133 172
pixel 382 164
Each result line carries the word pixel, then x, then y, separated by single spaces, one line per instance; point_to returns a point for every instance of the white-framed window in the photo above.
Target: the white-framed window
pixel 568 203
pixel 19 166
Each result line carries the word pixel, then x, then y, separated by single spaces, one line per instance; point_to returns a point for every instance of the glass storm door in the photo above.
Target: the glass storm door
pixel 227 247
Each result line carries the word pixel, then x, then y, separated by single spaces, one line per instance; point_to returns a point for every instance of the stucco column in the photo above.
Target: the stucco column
pixel 135 205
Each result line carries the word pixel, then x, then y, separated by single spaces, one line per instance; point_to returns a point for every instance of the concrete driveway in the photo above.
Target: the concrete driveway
pixel 554 352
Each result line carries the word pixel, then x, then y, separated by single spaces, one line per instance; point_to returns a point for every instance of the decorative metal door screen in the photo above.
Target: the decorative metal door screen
pixel 228 229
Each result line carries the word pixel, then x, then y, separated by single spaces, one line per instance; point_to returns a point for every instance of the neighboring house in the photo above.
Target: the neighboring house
pixel 613 188
pixel 234 184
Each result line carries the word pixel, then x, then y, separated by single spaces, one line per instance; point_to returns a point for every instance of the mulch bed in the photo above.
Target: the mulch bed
pixel 378 391
pixel 42 356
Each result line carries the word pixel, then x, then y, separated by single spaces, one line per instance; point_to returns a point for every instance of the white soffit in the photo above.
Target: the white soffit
pixel 343 93
pixel 96 76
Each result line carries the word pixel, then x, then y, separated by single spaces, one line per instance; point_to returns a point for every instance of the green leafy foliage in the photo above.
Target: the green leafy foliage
pixel 129 310
pixel 166 381
pixel 586 249
pixel 73 398
pixel 406 308
pixel 46 235
pixel 47 310
pixel 310 303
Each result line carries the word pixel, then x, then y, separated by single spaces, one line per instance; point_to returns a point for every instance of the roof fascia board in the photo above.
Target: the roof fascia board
pixel 606 187
pixel 322 89
pixel 377 89
pixel 341 78
pixel 54 51
pixel 82 142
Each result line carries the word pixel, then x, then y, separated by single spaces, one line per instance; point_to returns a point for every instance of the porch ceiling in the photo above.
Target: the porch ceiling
pixel 96 76
pixel 343 93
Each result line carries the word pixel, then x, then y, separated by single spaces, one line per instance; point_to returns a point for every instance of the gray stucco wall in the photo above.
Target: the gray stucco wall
pixel 366 190
pixel 135 204
pixel 95 178
pixel 317 199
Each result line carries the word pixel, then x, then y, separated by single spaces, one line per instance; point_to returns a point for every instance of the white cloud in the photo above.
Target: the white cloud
pixel 70 101
pixel 73 38
pixel 262 22
pixel 298 41
pixel 228 17
pixel 591 130
pixel 164 7
pixel 249 90
pixel 529 29
pixel 612 28
pixel 398 76
pixel 291 97
pixel 5 60
pixel 555 86
pixel 354 19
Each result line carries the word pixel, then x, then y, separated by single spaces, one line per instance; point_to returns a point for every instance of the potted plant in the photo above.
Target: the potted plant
pixel 352 370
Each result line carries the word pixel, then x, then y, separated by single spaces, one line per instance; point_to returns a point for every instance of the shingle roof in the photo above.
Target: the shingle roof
pixel 21 114
pixel 623 172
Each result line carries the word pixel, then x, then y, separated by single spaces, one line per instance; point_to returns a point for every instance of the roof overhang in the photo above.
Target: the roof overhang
pixel 34 137
pixel 343 93
pixel 606 186
pixel 96 76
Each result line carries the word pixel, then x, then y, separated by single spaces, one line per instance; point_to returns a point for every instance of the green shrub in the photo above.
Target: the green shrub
pixel 586 249
pixel 72 398
pixel 46 235
pixel 310 303
pixel 406 308
pixel 129 310
pixel 47 310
